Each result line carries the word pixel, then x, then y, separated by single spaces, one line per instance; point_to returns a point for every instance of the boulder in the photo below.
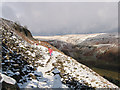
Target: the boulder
pixel 7 86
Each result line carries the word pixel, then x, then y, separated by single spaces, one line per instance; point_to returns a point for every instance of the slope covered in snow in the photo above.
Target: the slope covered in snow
pixel 32 66
pixel 99 51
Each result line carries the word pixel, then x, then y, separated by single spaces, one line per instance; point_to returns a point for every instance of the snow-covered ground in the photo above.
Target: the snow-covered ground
pixel 33 67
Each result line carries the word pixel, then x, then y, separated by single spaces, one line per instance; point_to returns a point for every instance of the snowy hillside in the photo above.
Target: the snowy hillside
pixel 99 45
pixel 32 66
pixel 73 39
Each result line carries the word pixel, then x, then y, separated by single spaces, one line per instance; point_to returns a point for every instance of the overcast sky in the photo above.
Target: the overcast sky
pixel 56 18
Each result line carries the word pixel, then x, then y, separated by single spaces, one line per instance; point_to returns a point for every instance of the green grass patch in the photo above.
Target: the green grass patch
pixel 112 76
pixel 101 64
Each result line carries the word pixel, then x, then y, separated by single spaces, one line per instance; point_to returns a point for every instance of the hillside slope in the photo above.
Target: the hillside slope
pixel 100 45
pixel 99 51
pixel 32 66
pixel 89 48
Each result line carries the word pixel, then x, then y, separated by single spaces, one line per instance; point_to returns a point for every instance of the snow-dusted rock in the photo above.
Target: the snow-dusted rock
pixel 7 79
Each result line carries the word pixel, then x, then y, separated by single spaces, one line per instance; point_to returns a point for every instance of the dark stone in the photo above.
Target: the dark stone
pixel 16 77
pixel 6 86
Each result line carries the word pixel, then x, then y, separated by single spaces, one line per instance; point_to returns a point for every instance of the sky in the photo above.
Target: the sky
pixel 58 18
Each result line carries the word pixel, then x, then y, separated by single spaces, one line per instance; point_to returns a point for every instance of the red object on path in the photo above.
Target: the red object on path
pixel 50 51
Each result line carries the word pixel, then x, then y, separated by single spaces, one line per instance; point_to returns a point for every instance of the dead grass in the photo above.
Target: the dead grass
pixel 107 73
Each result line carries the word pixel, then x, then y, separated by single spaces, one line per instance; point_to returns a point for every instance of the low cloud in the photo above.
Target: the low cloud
pixel 63 18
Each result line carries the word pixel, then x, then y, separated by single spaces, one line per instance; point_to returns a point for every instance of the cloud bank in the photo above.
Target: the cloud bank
pixel 56 18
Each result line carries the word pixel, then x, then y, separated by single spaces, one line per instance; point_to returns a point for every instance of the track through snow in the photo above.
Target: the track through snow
pixel 73 68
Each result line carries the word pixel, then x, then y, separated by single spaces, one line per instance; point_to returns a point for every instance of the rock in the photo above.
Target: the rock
pixel 8 83
pixel 16 77
pixel 6 86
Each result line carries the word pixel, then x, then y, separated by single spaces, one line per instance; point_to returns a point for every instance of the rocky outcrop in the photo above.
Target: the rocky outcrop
pixel 17 27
